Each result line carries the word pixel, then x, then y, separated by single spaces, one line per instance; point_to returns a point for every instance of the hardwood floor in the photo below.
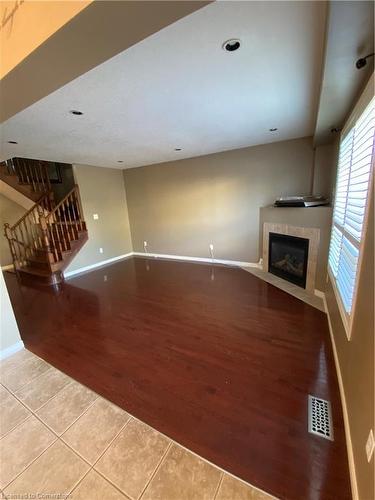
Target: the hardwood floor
pixel 213 357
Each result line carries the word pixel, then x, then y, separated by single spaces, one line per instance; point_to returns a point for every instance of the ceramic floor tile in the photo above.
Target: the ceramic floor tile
pixel 93 432
pixel 94 487
pixel 12 361
pixel 132 458
pixel 15 377
pixel 234 489
pixel 37 392
pixel 12 412
pixel 55 472
pixel 61 411
pixel 21 446
pixel 183 476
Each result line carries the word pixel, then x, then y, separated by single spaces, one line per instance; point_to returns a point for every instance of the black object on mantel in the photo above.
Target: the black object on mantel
pixel 301 201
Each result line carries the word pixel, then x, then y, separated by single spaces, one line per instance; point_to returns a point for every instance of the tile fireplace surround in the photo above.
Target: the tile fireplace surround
pixel 310 233
pixel 313 224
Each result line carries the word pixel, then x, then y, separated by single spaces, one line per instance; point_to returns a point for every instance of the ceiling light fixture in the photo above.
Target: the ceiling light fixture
pixel 120 161
pixel 75 112
pixel 231 45
pixel 12 142
pixel 177 149
pixel 273 129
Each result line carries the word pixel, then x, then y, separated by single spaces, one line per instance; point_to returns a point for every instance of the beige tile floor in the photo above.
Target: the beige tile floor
pixel 59 438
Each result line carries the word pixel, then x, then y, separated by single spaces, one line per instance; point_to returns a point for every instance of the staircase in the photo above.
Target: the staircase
pixel 49 235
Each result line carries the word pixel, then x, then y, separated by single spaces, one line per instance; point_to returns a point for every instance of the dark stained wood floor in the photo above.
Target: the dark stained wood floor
pixel 213 357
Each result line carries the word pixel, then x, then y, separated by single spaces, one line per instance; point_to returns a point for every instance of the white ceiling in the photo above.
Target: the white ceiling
pixel 179 89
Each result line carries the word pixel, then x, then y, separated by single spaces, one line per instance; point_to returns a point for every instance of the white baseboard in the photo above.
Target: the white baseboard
pixel 236 263
pixel 6 268
pixel 349 445
pixel 12 349
pixel 102 263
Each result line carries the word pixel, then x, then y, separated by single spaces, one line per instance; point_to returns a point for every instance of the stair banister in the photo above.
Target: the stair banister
pixel 24 236
pixel 46 238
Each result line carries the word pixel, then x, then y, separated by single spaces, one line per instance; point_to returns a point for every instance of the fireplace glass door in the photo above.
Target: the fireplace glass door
pixel 288 257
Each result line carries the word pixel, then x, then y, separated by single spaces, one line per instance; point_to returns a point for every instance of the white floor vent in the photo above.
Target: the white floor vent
pixel 320 417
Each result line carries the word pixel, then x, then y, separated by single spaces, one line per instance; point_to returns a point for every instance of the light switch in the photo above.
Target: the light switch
pixel 100 250
pixel 95 216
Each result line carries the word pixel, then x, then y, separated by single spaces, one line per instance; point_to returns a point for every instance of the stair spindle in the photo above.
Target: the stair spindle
pixel 8 235
pixel 65 222
pixel 75 212
pixel 58 233
pixel 71 226
pixel 27 238
pixel 34 177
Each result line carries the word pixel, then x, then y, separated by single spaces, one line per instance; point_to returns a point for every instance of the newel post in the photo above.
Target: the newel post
pixel 8 235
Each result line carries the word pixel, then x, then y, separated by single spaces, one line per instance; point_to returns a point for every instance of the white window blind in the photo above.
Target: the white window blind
pixel 356 156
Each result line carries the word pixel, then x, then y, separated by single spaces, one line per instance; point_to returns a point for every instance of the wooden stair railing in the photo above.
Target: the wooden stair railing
pixel 64 224
pixel 25 237
pixel 46 236
pixel 29 172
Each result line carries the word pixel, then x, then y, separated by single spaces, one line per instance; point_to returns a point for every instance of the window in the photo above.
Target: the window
pixel 355 165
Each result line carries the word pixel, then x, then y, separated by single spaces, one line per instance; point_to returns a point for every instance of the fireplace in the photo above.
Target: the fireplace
pixel 288 257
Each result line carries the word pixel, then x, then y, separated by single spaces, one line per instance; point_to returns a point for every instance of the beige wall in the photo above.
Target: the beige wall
pixel 356 359
pixel 325 169
pixel 103 193
pixel 38 19
pixel 10 334
pixel 10 212
pixel 181 207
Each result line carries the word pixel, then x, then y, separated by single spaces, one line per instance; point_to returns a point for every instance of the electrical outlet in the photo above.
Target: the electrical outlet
pixel 95 216
pixel 370 445
pixel 211 247
pixel 100 250
pixel 105 278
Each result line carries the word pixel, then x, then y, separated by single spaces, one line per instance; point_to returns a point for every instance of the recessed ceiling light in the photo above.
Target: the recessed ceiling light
pixel 177 149
pixel 273 129
pixel 75 112
pixel 231 45
pixel 12 142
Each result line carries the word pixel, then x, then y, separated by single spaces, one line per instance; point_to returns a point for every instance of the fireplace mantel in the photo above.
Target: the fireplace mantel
pixel 311 223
